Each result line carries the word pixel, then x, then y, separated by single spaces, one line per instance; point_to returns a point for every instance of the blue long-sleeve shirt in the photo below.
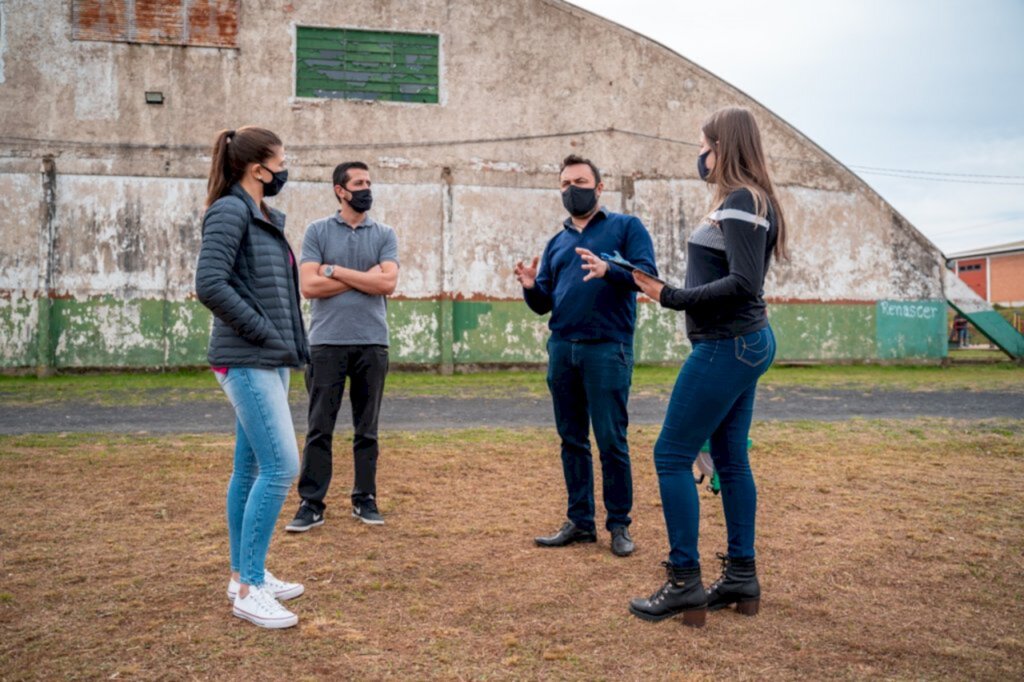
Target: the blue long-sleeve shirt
pixel 603 309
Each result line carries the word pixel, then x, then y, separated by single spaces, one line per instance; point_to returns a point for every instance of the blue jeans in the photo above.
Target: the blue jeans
pixel 713 399
pixel 590 383
pixel 266 463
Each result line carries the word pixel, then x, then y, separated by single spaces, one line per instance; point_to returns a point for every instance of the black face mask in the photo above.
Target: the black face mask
pixel 579 201
pixel 361 200
pixel 702 166
pixel 276 183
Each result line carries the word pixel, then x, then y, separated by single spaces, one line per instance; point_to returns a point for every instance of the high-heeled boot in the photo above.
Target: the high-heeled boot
pixel 683 593
pixel 737 585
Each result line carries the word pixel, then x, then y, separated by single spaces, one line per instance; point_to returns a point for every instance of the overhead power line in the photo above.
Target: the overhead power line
pixel 937 173
pixel 907 174
pixel 945 232
pixel 930 178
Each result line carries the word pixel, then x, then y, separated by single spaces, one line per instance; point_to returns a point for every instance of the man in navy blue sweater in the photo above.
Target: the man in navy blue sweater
pixel 590 352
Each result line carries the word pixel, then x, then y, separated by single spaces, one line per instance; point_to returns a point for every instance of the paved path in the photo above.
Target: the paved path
pixel 415 413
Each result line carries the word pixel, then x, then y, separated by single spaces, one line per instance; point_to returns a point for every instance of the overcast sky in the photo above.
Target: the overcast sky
pixel 919 85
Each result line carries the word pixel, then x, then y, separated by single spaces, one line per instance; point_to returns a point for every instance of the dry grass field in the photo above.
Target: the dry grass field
pixel 886 549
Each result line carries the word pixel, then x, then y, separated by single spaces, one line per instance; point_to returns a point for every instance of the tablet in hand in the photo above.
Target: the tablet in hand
pixel 617 259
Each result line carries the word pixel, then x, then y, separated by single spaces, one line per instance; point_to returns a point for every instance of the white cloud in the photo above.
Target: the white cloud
pixel 911 84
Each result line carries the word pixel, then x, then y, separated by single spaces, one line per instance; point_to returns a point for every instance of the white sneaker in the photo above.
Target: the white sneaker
pixel 260 608
pixel 279 588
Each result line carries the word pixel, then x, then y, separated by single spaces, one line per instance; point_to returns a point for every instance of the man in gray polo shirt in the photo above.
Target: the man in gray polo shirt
pixel 349 265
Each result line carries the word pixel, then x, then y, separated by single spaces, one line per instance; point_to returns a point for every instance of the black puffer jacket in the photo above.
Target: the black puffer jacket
pixel 247 277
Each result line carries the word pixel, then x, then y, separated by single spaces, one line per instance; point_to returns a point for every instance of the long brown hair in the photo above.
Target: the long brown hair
pixel 740 164
pixel 233 151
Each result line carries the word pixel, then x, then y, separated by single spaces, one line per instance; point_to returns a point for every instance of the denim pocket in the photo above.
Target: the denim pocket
pixel 626 355
pixel 754 349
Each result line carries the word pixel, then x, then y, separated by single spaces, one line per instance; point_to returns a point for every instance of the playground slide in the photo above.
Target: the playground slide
pixel 983 316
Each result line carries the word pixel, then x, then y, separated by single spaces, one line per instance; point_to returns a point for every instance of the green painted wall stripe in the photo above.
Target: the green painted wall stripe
pixel 813 331
pixel 20 337
pixel 910 329
pixel 106 332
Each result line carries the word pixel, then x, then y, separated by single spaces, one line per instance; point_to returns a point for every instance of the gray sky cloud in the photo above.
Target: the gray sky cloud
pixel 931 85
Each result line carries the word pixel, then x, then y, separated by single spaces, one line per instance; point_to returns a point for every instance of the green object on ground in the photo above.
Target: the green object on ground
pixel 715 486
pixel 707 445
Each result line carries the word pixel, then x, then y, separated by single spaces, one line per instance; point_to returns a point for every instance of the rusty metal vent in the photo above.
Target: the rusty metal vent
pixel 212 23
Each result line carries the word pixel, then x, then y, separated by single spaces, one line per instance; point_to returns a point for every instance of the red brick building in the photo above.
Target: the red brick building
pixel 995 273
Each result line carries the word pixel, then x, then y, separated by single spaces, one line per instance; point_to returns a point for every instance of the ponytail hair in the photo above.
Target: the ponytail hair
pixel 233 151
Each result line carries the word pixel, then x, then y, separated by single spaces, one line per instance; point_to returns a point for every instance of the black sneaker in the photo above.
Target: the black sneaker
pixel 305 519
pixel 366 511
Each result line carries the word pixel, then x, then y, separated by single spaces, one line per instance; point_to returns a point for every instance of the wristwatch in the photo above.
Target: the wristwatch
pixel 329 271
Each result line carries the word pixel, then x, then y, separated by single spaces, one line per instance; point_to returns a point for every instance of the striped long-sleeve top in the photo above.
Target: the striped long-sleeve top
pixel 727 260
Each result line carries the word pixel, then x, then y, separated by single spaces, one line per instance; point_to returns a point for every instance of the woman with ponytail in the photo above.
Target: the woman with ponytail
pixel 733 345
pixel 247 277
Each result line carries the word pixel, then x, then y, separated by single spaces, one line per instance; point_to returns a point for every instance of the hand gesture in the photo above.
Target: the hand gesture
pixel 527 274
pixel 594 266
pixel 650 286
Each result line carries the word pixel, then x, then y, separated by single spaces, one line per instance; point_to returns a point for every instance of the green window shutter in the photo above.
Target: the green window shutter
pixel 349 64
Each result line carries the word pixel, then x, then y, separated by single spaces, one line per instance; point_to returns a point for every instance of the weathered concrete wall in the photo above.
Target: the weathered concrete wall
pixel 97 246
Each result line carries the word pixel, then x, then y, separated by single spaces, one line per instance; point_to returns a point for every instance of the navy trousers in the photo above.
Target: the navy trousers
pixel 589 383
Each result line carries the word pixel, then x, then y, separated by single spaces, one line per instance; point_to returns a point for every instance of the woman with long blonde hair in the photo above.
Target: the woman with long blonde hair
pixel 733 345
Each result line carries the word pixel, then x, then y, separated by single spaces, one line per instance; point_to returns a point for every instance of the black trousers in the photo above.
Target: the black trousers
pixel 366 368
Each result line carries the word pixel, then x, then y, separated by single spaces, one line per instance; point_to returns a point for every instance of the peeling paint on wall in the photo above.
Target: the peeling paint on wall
pixel 126 250
pixel 3 37
pixel 477 163
pixel 20 212
pixel 495 227
pixel 499 331
pixel 400 162
pixel 111 332
pixel 808 331
pixel 129 331
pixel 96 83
pixel 471 191
pixel 127 236
pixel 19 321
pixel 415 331
pixel 660 335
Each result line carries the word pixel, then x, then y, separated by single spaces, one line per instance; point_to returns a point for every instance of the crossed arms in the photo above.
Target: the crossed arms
pixel 380 280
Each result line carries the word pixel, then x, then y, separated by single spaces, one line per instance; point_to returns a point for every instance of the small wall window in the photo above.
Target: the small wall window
pixel 374 65
pixel 211 23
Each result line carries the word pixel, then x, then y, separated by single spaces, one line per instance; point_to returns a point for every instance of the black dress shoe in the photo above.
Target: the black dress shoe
pixel 567 535
pixel 622 543
pixel 682 593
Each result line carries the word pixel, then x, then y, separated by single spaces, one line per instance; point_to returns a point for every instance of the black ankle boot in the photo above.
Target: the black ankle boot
pixel 737 585
pixel 682 593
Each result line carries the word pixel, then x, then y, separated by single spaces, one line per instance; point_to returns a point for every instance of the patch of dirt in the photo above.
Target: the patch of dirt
pixel 886 550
